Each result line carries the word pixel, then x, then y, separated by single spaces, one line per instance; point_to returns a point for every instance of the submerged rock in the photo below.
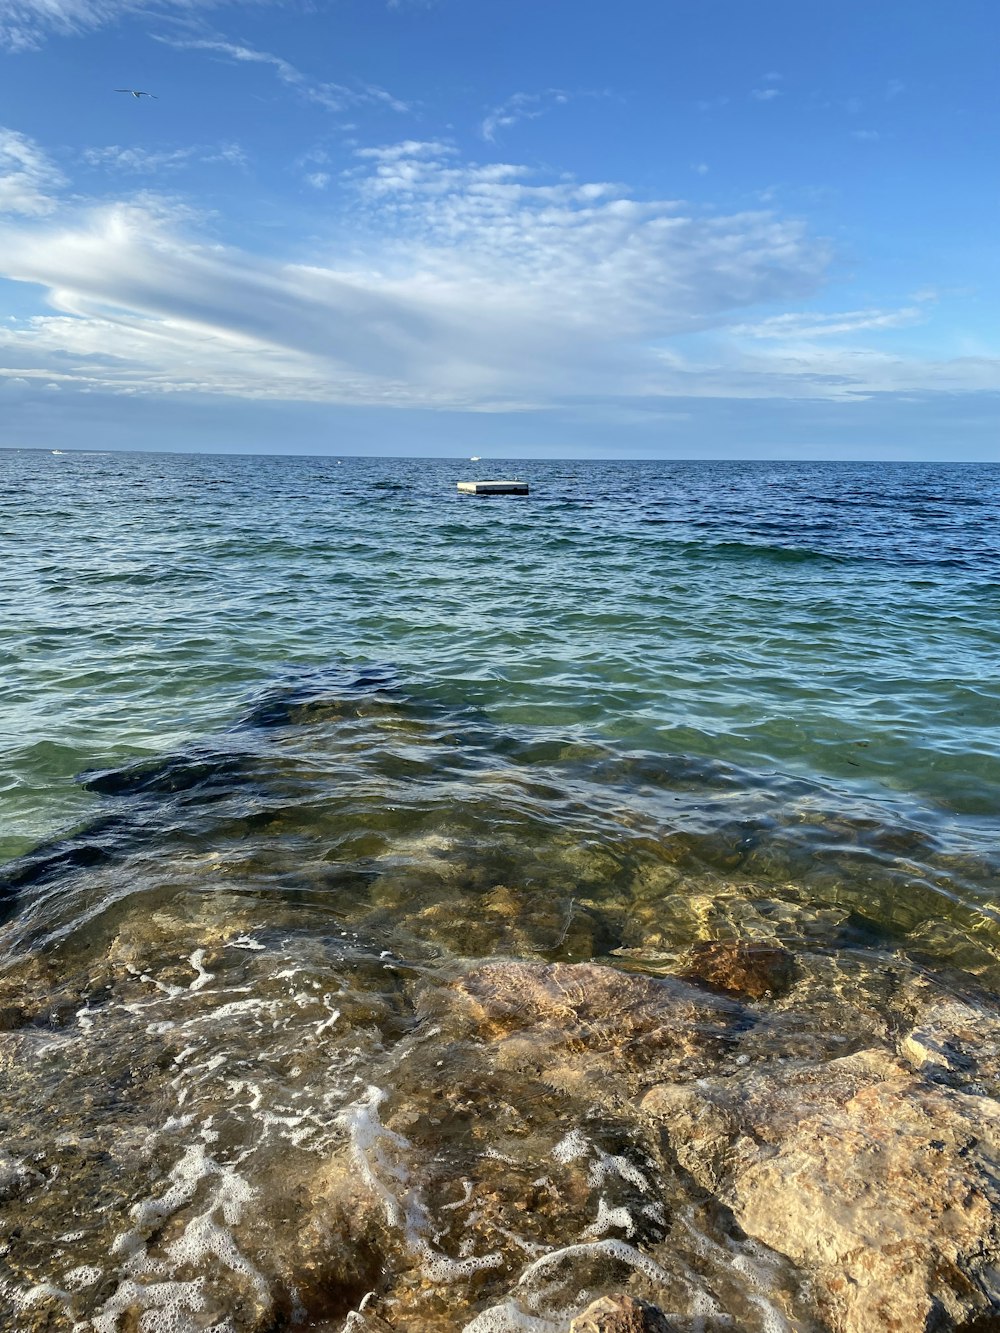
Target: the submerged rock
pixel 620 1314
pixel 588 1028
pixel 748 969
pixel 957 1042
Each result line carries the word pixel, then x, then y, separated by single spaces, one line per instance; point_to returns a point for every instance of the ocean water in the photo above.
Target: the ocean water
pixel 291 746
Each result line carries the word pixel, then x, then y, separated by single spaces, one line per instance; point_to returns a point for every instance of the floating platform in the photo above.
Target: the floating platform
pixel 494 487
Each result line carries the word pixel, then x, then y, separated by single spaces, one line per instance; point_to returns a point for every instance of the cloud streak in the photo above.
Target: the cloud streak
pixel 520 106
pixel 332 96
pixel 450 284
pixel 26 24
pixel 147 161
pixel 28 178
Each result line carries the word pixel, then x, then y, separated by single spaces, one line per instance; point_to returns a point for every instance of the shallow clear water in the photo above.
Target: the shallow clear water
pixel 292 746
pixel 834 621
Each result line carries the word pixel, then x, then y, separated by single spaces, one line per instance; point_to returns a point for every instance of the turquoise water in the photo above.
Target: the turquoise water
pixel 832 621
pixel 311 765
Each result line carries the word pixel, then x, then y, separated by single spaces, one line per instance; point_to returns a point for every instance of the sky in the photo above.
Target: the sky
pixel 525 228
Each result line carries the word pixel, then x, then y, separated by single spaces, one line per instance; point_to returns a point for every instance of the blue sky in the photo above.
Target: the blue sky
pixel 650 228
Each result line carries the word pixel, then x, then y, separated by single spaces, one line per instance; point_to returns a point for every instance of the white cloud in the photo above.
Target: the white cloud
pixel 837 373
pixel 489 289
pixel 25 24
pixel 27 177
pixel 520 106
pixel 452 284
pixel 765 94
pixel 332 96
pixel 407 148
pixel 808 326
pixel 145 161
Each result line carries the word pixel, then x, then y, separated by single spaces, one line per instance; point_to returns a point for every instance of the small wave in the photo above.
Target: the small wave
pixel 778 554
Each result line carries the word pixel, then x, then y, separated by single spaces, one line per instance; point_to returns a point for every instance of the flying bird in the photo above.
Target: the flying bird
pixel 137 92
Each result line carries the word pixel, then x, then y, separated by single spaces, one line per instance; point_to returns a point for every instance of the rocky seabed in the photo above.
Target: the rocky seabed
pixel 328 1140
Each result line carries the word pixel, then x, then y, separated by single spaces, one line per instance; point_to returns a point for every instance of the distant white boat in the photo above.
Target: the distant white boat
pixel 57 451
pixel 474 458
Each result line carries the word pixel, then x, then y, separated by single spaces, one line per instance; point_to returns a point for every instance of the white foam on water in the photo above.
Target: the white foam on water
pixel 371 1142
pixel 236 1009
pixel 167 1307
pixel 495 1155
pixel 612 1249
pixel 167 988
pixel 754 1262
pixel 608 1218
pixel 246 942
pixel 528 1246
pixel 327 1023
pixel 608 1165
pixel 369 1138
pixel 77 1279
pixel 460 1203
pixel 575 1145
pixel 507 1318
pixel 42 1291
pixel 197 961
pixel 568 1149
pixel 204 1238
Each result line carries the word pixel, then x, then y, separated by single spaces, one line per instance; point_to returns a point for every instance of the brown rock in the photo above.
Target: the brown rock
pixel 898 1193
pixel 736 968
pixel 883 1186
pixel 701 1130
pixel 586 1004
pixel 589 1031
pixel 620 1314
pixel 958 1043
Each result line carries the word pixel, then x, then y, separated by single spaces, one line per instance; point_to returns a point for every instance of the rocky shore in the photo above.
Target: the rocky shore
pixel 293 1038
pixel 752 1140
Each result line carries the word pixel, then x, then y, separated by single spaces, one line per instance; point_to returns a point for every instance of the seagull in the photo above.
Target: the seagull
pixel 137 92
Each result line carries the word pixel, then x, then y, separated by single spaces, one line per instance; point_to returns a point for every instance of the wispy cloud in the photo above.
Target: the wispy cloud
pixel 821 325
pixel 408 149
pixel 25 24
pixel 489 287
pixel 332 96
pixel 765 94
pixel 452 284
pixel 520 106
pixel 148 161
pixel 28 178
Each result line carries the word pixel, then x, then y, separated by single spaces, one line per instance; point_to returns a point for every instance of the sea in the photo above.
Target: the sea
pixel 295 747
